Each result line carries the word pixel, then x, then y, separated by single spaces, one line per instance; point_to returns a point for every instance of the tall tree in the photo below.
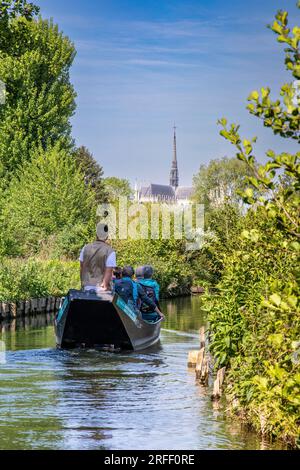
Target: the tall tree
pixel 219 180
pixel 117 187
pixel 93 172
pixel 47 196
pixel 281 194
pixel 35 58
pixel 12 8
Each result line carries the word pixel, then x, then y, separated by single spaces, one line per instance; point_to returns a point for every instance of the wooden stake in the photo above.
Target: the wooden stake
pixel 202 337
pixel 216 395
pixel 192 358
pixel 20 308
pixel 13 310
pixel 48 304
pixel 199 364
pixel 221 373
pixel 34 305
pixel 202 367
pixel 43 304
pixel 13 325
pixel 217 391
pixel 5 310
pixel 27 307
pixel 204 372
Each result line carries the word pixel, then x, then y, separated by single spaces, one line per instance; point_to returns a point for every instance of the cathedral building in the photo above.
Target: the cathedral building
pixel 171 193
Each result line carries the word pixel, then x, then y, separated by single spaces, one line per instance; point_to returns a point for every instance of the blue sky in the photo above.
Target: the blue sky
pixel 142 65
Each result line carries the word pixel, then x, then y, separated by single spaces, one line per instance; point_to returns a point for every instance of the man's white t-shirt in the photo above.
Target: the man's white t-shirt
pixel 111 262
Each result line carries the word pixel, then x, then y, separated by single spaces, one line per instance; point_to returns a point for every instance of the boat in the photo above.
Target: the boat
pixel 99 320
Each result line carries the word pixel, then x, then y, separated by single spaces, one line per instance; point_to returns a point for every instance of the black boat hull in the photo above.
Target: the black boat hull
pixel 87 319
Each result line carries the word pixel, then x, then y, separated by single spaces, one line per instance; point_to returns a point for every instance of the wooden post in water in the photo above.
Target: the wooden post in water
pixel 13 310
pixel 53 303
pixel 20 308
pixel 27 307
pixel 205 373
pixel 5 310
pixel 199 363
pixel 48 304
pixel 221 373
pixel 217 391
pixel 34 305
pixel 200 360
pixel 41 307
pixel 192 358
pixel 202 368
pixel 202 337
pixel 43 302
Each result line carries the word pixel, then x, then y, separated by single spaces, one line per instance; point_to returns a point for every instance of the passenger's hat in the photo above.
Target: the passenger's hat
pixel 127 271
pixel 102 231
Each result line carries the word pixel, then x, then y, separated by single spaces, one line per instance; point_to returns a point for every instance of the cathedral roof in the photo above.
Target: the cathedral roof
pixel 158 191
pixel 184 192
pixel 163 191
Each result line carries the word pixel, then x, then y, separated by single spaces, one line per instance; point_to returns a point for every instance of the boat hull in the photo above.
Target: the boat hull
pixel 87 319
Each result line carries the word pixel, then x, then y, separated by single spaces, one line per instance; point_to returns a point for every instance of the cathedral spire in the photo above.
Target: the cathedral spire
pixel 174 176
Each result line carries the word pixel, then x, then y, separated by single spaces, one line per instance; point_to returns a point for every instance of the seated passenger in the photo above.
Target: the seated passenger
pixel 139 273
pixel 151 289
pixel 131 292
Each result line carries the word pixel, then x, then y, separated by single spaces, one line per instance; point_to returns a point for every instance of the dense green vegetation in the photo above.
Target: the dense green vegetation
pixel 255 316
pixel 35 59
pixel 34 278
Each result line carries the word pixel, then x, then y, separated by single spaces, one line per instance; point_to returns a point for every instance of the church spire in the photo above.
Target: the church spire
pixel 174 176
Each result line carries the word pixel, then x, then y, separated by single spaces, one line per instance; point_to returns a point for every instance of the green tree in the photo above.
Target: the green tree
pixel 35 58
pixel 117 187
pixel 282 115
pixel 219 180
pixel 12 8
pixel 46 197
pixel 93 172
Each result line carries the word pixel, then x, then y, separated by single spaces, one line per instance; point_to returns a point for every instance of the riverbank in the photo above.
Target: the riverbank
pixel 26 308
pixel 28 279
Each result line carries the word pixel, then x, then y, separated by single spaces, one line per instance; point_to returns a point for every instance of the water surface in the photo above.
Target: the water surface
pixel 52 399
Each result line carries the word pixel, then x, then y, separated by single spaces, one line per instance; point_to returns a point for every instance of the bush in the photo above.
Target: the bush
pixel 20 279
pixel 171 265
pixel 255 317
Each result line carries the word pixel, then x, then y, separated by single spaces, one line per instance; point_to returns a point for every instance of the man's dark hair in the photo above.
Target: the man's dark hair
pixel 127 271
pixel 117 272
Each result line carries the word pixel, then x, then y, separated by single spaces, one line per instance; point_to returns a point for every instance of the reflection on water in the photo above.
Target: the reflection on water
pixel 83 399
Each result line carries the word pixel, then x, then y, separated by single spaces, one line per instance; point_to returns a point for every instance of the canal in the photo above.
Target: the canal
pixel 51 399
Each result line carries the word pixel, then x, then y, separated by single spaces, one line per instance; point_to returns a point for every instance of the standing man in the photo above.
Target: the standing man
pixel 97 261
